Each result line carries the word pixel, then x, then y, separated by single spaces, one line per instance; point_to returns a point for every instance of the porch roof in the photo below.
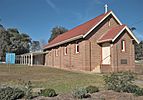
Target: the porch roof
pixel 34 53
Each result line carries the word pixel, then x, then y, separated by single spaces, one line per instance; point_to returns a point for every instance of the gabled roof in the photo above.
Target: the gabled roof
pixel 113 34
pixel 80 31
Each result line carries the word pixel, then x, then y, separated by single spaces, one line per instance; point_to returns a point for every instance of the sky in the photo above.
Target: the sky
pixel 38 17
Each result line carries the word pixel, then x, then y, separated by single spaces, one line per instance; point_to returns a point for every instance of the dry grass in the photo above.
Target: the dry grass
pixel 45 77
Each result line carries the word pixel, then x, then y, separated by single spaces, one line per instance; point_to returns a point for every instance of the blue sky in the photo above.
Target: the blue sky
pixel 38 17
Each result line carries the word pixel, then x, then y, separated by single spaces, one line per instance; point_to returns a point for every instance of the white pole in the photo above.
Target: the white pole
pixel 21 59
pixel 24 59
pixel 28 59
pixel 31 59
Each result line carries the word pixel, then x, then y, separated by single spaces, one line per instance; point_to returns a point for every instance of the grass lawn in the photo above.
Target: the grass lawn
pixel 44 77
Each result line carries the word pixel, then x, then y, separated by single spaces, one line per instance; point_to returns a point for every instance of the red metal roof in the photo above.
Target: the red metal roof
pixel 77 31
pixel 111 34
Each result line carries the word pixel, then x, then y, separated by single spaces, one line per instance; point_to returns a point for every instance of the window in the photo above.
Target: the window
pixel 123 61
pixel 65 50
pixel 56 52
pixel 77 48
pixel 49 53
pixel 123 45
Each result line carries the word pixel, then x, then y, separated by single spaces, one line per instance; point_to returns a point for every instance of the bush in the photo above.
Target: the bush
pixel 9 93
pixel 130 88
pixel 134 89
pixel 122 82
pixel 119 81
pixel 48 93
pixel 138 91
pixel 80 93
pixel 28 90
pixel 91 89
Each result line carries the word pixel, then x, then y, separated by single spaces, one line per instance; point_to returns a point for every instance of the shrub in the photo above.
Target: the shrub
pixel 138 91
pixel 119 81
pixel 80 93
pixel 28 90
pixel 48 92
pixel 122 82
pixel 9 93
pixel 91 89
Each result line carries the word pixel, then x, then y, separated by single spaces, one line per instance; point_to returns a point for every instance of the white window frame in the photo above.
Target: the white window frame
pixel 77 48
pixel 123 45
pixel 65 50
pixel 56 52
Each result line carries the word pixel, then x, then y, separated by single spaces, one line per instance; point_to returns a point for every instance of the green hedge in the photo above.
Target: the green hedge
pixel 122 82
pixel 92 89
pixel 48 93
pixel 9 93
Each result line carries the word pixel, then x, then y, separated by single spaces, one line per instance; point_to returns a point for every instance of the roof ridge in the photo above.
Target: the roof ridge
pixel 79 30
pixel 82 24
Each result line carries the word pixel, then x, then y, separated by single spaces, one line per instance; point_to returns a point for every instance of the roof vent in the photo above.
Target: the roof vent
pixel 106 8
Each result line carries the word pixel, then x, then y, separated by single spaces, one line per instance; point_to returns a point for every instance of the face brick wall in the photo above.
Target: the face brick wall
pixel 89 56
pixel 128 54
pixel 96 48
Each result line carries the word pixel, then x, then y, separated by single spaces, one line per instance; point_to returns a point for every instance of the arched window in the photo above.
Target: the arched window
pixel 123 45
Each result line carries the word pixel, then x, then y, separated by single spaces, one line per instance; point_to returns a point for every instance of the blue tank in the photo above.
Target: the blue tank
pixel 10 58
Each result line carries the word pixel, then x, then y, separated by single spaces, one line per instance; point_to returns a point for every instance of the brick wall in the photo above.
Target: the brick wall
pixel 97 33
pixel 118 54
pixel 89 56
pixel 72 60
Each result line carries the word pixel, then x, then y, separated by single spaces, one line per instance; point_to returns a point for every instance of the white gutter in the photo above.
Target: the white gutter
pixel 65 41
pixel 129 33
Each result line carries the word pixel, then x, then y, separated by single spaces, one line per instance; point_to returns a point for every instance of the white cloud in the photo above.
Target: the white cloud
pixel 52 5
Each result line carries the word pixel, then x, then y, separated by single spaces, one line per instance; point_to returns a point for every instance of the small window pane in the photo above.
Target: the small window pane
pixel 123 45
pixel 77 48
pixel 65 50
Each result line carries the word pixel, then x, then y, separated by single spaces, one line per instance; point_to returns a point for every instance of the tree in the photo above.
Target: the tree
pixel 14 39
pixel 42 43
pixel 138 48
pixel 25 43
pixel 4 42
pixel 139 51
pixel 19 42
pixel 132 29
pixel 35 46
pixel 57 31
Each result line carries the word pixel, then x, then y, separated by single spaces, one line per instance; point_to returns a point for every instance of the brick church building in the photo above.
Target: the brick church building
pixel 102 44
